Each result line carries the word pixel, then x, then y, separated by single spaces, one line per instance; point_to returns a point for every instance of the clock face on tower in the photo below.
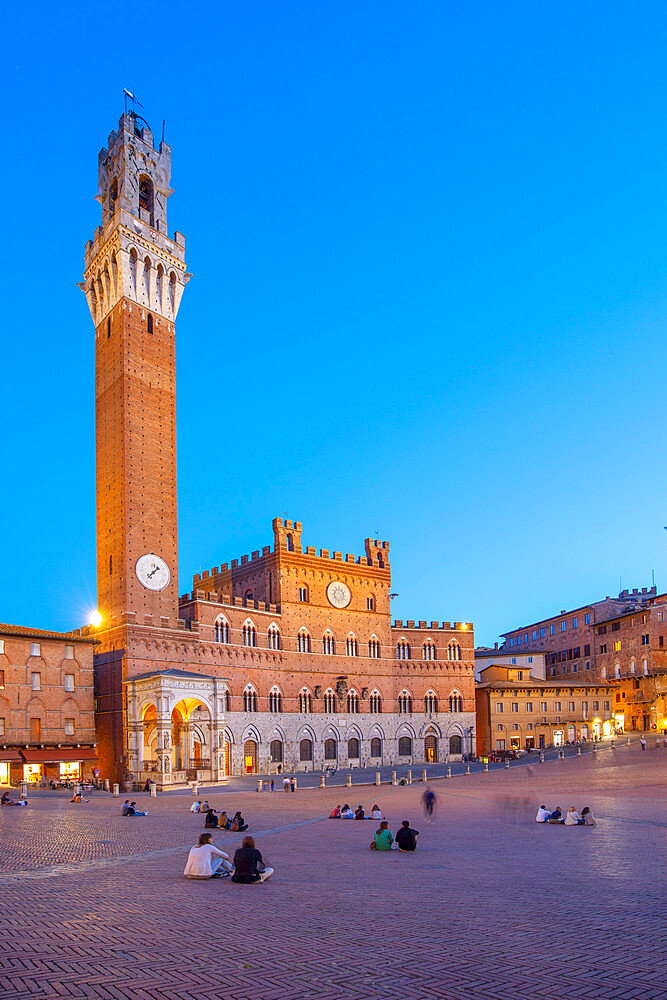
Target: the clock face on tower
pixel 339 594
pixel 152 572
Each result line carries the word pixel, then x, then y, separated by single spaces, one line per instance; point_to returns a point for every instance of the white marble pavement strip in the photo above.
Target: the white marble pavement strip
pixel 97 864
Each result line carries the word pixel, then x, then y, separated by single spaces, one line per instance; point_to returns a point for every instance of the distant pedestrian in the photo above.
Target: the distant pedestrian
pixel 272 784
pixel 292 783
pixel 286 783
pixel 430 800
pixel 643 743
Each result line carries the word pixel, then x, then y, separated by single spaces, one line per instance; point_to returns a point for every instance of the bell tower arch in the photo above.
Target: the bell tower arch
pixel 134 279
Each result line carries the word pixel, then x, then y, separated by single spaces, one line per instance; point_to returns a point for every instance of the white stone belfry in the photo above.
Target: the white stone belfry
pixel 131 255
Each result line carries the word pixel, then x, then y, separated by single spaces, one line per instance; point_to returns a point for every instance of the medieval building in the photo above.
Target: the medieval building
pixel 287 658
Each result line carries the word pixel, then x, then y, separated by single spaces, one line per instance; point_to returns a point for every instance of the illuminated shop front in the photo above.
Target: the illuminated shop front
pixel 7 759
pixel 58 764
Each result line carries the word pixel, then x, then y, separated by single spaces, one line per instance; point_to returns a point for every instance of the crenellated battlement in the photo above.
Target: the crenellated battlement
pixel 444 626
pixel 226 599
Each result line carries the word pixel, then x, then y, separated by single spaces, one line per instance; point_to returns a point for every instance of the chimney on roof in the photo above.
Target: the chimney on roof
pixel 495 645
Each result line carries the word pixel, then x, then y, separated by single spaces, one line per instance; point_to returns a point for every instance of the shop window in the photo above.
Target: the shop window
pixel 70 771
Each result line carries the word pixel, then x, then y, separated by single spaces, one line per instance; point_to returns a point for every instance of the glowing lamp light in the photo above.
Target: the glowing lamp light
pixel 95 619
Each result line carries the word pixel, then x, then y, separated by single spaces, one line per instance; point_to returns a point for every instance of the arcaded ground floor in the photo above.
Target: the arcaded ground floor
pixel 491 906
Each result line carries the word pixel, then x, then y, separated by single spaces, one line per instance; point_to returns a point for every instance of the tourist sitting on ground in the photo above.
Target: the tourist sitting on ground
pixel 211 818
pixel 556 816
pixel 334 814
pixel 207 861
pixel 249 865
pixel 5 800
pixel 77 797
pixel 195 807
pixel 204 806
pixel 133 811
pixel 543 815
pixel 238 823
pixel 346 812
pixel 406 837
pixel 375 813
pixel 125 806
pixel 224 821
pixel 587 817
pixel 572 817
pixel 383 839
pixel 359 813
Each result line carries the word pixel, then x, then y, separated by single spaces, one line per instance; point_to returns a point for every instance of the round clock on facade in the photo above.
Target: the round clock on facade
pixel 339 594
pixel 152 572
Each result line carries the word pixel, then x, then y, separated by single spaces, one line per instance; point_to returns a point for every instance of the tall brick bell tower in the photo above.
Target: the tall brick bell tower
pixel 134 279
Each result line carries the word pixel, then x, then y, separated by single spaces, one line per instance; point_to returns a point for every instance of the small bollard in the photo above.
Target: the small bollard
pixel 627 742
pixel 377 777
pixel 24 790
pixel 116 790
pixel 260 784
pixel 657 744
pixel 106 784
pixel 409 777
pixel 349 781
pixel 507 764
pixel 449 772
pixel 424 775
pixel 322 785
pixel 595 749
pixel 467 768
pixel 486 767
pixel 613 744
pixel 393 777
pixel 578 751
pixel 153 790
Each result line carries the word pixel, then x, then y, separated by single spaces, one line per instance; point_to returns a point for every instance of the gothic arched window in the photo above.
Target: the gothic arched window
pixel 329 701
pixel 376 703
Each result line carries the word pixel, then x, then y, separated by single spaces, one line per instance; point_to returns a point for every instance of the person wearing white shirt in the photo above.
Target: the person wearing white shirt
pixel 572 817
pixel 543 815
pixel 346 812
pixel 195 807
pixel 206 861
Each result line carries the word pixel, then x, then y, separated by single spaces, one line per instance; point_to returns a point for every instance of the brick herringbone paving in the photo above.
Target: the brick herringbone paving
pixel 492 906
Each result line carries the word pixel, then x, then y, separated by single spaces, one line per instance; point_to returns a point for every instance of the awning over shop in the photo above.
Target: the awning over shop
pixel 10 757
pixel 58 755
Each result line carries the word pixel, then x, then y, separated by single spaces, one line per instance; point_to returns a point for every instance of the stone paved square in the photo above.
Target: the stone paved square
pixel 492 906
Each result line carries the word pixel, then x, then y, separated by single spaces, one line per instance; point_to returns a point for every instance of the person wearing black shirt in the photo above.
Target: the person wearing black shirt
pixel 248 864
pixel 406 837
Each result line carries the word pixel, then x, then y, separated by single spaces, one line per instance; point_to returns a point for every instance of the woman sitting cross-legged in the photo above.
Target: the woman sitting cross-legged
pixel 334 814
pixel 383 839
pixel 211 819
pixel 249 866
pixel 224 822
pixel 238 823
pixel 359 813
pixel 206 861
pixel 346 812
pixel 375 813
pixel 572 817
pixel 587 817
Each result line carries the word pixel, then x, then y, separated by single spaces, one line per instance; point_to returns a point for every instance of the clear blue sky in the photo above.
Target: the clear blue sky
pixel 429 292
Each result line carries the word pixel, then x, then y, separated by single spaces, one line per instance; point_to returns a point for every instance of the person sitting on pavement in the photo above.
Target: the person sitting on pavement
pixel 346 812
pixel 556 816
pixel 406 837
pixel 587 817
pixel 5 800
pixel 375 813
pixel 204 806
pixel 238 823
pixel 249 865
pixel 207 861
pixel 195 807
pixel 572 817
pixel 133 811
pixel 224 822
pixel 211 819
pixel 335 813
pixel 125 806
pixel 383 839
pixel 543 815
pixel 359 813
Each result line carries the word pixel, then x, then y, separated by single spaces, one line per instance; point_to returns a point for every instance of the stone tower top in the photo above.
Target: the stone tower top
pixel 131 255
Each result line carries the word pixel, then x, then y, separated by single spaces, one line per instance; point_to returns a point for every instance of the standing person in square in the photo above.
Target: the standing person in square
pixel 430 801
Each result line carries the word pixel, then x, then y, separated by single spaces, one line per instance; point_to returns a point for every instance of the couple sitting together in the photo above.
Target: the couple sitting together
pixel 224 822
pixel 207 861
pixel 406 838
pixel 571 818
pixel 344 812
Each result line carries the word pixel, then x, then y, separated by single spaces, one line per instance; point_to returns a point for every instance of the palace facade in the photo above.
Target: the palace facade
pixel 287 658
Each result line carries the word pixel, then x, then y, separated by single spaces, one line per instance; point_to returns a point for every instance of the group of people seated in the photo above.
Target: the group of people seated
pixel 205 860
pixel 345 812
pixel 571 817
pixel 7 801
pixel 405 840
pixel 130 809
pixel 222 821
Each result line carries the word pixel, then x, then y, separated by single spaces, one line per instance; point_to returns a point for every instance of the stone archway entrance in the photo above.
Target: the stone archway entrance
pixel 250 757
pixel 431 749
